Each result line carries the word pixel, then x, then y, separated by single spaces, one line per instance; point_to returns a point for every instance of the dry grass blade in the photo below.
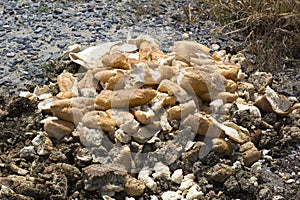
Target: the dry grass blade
pixel 271 27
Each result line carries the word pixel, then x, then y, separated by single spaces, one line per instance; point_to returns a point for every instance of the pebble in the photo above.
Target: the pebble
pixel 215 47
pixel 177 176
pixel 10 54
pixel 171 195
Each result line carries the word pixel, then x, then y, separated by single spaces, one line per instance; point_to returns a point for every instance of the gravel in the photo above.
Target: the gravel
pixel 35 33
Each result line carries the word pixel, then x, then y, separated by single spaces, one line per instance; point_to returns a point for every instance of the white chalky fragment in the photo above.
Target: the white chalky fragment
pixel 194 193
pixel 187 182
pixel 144 176
pixel 171 195
pixel 161 170
pixel 177 176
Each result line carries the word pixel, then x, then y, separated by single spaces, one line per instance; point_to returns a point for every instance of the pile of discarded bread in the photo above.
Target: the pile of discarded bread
pixel 127 95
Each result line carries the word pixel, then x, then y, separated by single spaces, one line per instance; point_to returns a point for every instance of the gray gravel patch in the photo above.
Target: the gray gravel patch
pixel 35 33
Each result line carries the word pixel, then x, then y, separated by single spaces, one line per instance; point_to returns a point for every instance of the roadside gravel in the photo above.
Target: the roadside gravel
pixel 35 33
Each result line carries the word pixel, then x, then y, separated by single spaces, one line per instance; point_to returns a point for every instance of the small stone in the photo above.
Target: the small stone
pixel 187 182
pixel 161 170
pixel 10 54
pixel 18 170
pixel 134 187
pixel 83 155
pixel 71 172
pixel 171 195
pixel 38 30
pixel 43 145
pixel 58 128
pixel 265 193
pixel 177 176
pixel 120 136
pixel 144 176
pixel 106 177
pixel 185 36
pixel 220 172
pixel 194 193
pixel 222 146
pixel 232 185
pixel 27 152
pixel 215 47
pixel 256 167
pixel 250 153
pixel 260 80
pixel 46 56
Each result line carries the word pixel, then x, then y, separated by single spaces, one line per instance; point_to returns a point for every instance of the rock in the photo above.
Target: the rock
pixel 229 71
pixel 149 51
pixel 273 102
pixel 107 177
pixel 161 170
pixel 123 98
pixel 144 176
pixel 222 146
pixel 250 153
pixel 130 127
pixel 177 176
pixel 200 81
pixel 194 193
pixel 58 186
pixel 144 117
pixel 232 185
pixel 27 152
pixel 173 90
pixel 66 82
pixel 199 150
pixel 149 75
pixel 43 145
pixel 231 86
pixel 220 172
pixel 185 36
pixel 171 195
pixel 88 85
pixel 233 131
pixel 134 187
pixel 254 111
pixel 144 134
pixel 290 134
pixel 83 155
pixel 71 172
pixel 93 138
pixel 181 111
pixel 202 125
pixel 215 46
pixel 7 193
pixel 63 109
pixel 18 170
pixel 99 120
pixel 185 50
pixel 122 156
pixel 116 82
pixel 260 80
pixel 116 60
pixel 121 136
pixel 226 97
pixel 187 182
pixel 58 128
